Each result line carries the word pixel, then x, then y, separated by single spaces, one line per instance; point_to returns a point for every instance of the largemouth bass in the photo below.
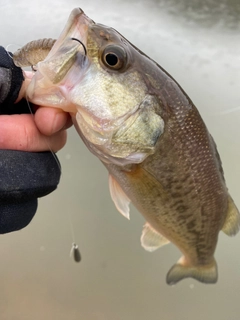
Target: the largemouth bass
pixel 144 128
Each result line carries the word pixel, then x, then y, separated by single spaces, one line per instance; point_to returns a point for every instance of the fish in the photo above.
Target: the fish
pixel 147 132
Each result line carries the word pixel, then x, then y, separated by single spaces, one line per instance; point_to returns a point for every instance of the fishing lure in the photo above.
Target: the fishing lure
pixel 33 52
pixel 75 253
pixel 36 51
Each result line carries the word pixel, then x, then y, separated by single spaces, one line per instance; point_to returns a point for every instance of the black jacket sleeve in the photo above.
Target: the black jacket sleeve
pixel 11 78
pixel 24 176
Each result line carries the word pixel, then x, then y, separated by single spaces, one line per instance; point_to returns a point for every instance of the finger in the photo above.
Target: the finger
pixel 51 120
pixel 57 141
pixel 28 74
pixel 19 132
pixel 68 123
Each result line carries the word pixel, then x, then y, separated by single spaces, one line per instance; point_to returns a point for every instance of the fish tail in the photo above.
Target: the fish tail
pixel 203 273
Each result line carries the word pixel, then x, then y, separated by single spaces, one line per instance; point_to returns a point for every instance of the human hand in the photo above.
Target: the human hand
pixel 45 130
pixel 25 176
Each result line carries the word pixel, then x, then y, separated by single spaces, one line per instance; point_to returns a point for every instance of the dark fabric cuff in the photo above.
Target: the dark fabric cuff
pixel 24 177
pixel 15 80
pixel 27 175
pixel 16 215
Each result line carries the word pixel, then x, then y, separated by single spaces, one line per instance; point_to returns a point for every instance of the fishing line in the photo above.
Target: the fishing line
pixel 74 252
pixel 9 45
pixel 31 112
pixel 230 110
pixel 10 54
pixel 45 139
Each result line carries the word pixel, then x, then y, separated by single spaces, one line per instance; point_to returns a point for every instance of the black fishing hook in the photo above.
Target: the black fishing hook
pixel 85 50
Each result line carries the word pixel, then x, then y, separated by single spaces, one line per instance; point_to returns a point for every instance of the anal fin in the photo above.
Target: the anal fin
pixel 151 240
pixel 119 197
pixel 232 222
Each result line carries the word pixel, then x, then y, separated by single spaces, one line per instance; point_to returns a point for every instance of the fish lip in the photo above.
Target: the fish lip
pixel 78 19
pixel 76 27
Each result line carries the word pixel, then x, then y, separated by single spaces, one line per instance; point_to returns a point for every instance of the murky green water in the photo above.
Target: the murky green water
pixel 198 44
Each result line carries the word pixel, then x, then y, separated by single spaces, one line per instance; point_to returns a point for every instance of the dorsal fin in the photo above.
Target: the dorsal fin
pixel 119 197
pixel 151 240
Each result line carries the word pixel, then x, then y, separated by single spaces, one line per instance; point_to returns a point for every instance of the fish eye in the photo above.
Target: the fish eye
pixel 114 57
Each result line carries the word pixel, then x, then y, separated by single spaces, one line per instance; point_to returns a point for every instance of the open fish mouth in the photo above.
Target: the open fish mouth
pixel 54 77
pixel 76 27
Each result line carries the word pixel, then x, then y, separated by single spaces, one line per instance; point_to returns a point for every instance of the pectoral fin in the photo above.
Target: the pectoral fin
pixel 119 197
pixel 232 222
pixel 151 240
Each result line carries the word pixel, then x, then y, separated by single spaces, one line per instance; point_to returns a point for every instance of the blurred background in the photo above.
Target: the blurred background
pixel 197 42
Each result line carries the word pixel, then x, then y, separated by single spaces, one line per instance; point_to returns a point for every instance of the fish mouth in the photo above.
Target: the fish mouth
pixel 50 85
pixel 58 74
pixel 76 28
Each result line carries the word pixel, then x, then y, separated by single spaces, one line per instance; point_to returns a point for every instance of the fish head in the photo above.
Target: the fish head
pixel 93 72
